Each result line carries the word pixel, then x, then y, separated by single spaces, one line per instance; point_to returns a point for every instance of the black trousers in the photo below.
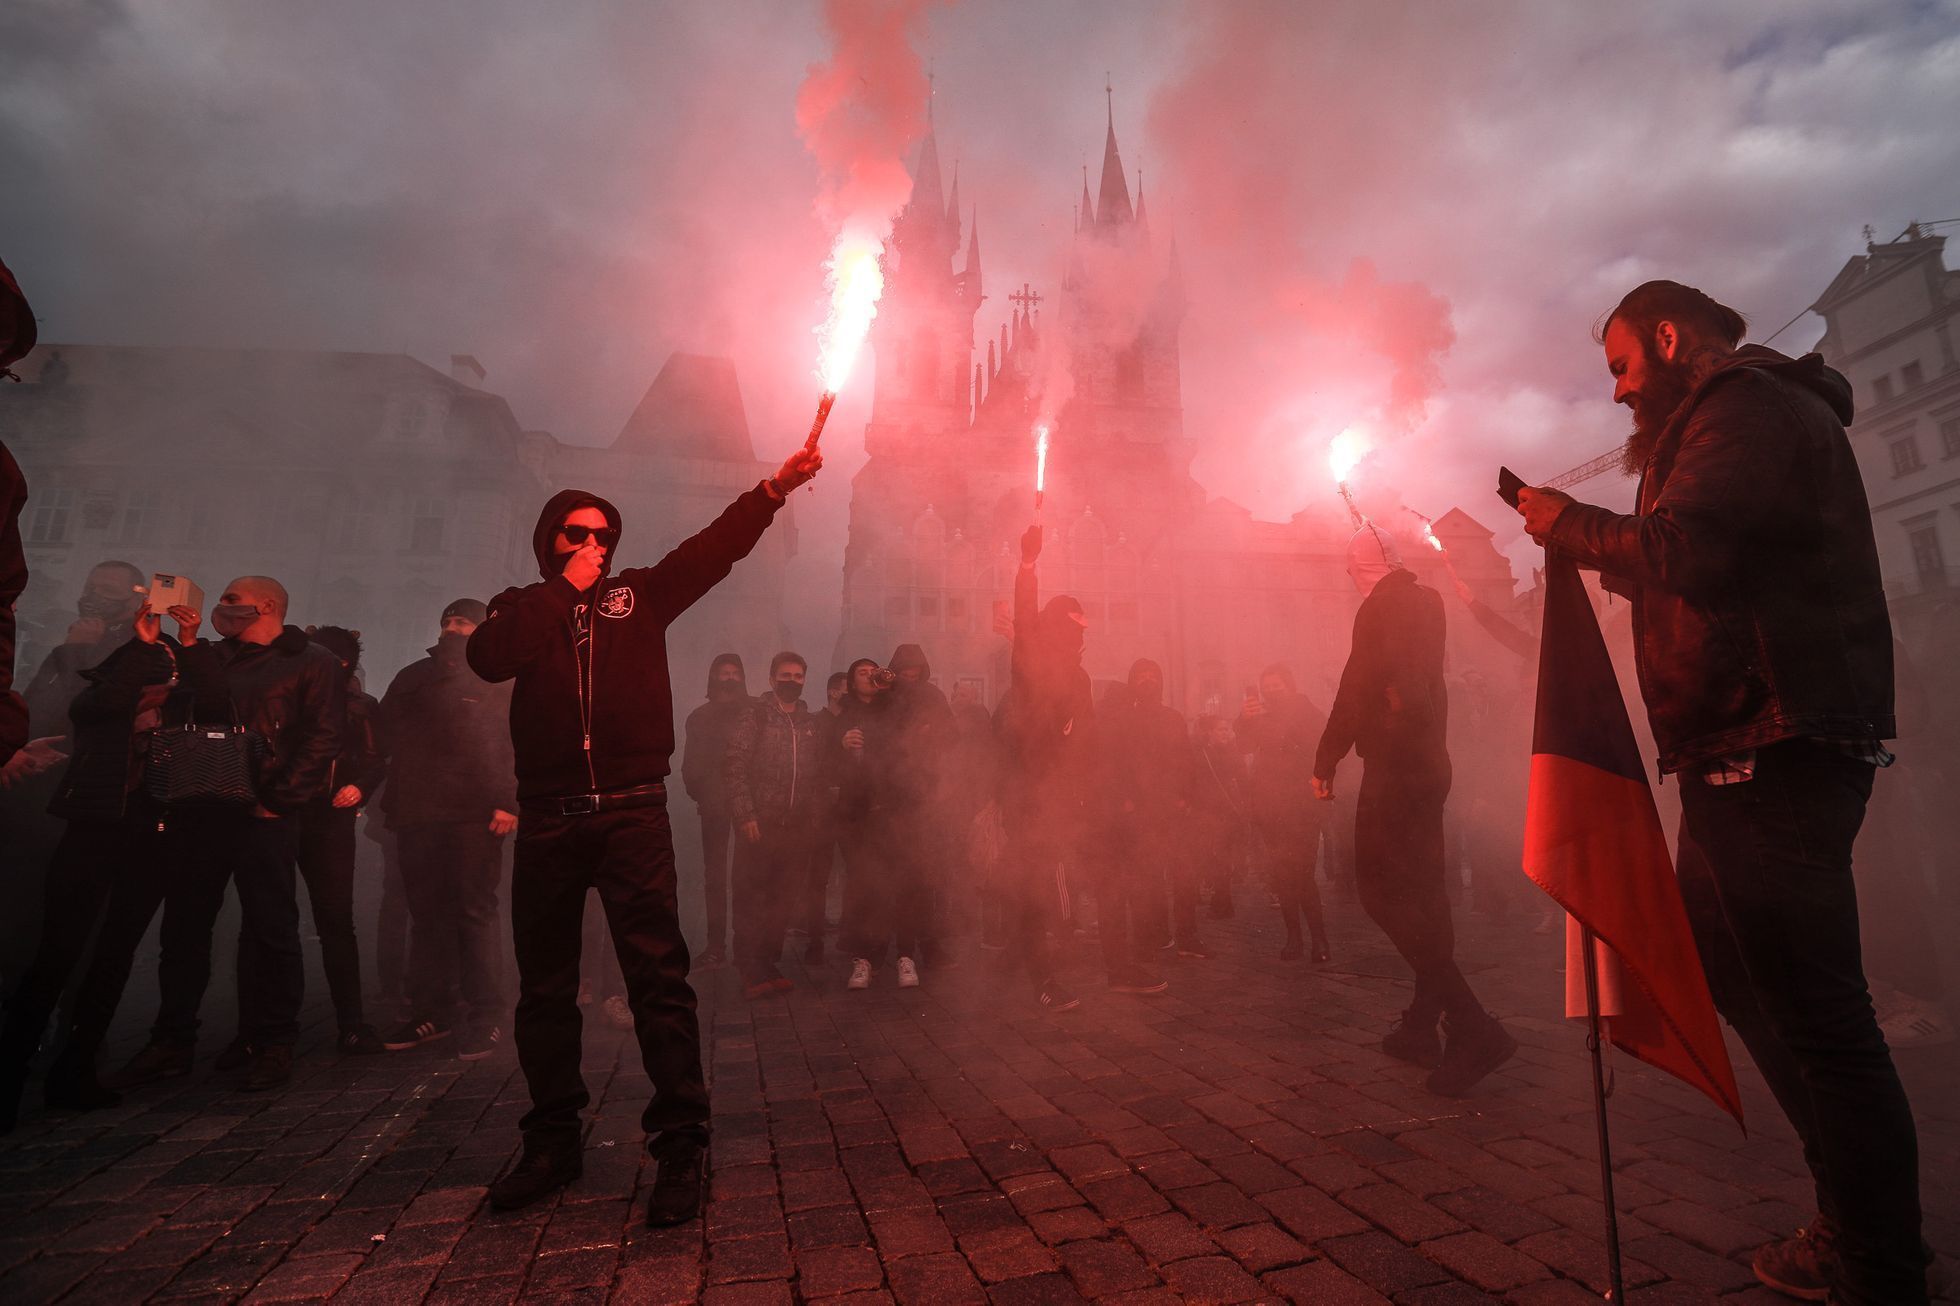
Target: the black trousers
pixel 326 863
pixel 450 873
pixel 1398 870
pixel 1128 874
pixel 1292 845
pixel 1040 833
pixel 391 922
pixel 1765 869
pixel 771 876
pixel 886 897
pixel 91 857
pixel 200 855
pixel 717 840
pixel 628 857
pixel 816 887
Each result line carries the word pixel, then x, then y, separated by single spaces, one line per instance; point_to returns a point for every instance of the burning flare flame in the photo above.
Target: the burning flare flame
pixel 1040 459
pixel 1347 451
pixel 1428 534
pixel 856 280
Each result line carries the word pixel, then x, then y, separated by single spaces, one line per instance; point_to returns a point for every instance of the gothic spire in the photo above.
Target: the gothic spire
pixel 1113 199
pixel 1143 219
pixel 953 200
pixel 1087 216
pixel 973 259
pixel 927 194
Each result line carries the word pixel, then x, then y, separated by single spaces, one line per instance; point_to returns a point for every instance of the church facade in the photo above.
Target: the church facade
pixel 1163 570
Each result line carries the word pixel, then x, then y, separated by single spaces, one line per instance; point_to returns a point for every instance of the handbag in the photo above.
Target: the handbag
pixel 205 765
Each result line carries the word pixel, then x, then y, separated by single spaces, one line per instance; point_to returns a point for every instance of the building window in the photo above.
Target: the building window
pixel 1905 456
pixel 1928 561
pixel 1911 375
pixel 140 516
pixel 1950 437
pixel 1882 388
pixel 52 511
pixel 426 526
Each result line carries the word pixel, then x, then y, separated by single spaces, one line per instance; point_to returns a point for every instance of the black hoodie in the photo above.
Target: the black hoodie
pixel 705 744
pixel 600 719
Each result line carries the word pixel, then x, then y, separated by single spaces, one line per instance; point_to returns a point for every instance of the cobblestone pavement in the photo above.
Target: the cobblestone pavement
pixel 1240 1138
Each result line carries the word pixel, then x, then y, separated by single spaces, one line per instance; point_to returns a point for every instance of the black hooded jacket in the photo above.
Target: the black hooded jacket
pixel 449 738
pixel 704 743
pixel 1758 609
pixel 1392 707
pixel 593 710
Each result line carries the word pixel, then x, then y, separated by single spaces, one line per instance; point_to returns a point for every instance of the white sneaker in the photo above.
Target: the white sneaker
pixel 908 973
pixel 861 974
pixel 1916 1024
pixel 618 1012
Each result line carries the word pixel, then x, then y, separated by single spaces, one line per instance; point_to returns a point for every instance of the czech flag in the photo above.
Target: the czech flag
pixel 1593 842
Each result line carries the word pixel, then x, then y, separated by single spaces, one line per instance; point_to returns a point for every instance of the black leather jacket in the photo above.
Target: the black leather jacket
pixel 1758 609
pixel 291 691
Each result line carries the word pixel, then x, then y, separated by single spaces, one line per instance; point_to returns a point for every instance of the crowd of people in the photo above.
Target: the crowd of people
pixel 173 769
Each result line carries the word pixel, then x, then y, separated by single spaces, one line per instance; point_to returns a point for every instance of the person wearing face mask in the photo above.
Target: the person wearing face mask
pixel 778 790
pixel 1392 709
pixel 814 909
pixel 592 721
pixel 1280 728
pixel 705 779
pixel 451 801
pixel 105 609
pixel 271 679
pixel 1049 765
pixel 1147 761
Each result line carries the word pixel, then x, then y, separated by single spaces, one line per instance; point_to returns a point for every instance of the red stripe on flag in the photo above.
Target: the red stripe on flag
pixel 1593 842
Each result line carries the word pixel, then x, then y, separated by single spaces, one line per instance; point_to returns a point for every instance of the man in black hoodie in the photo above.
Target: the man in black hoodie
pixel 17 334
pixel 1393 709
pixel 592 721
pixel 1765 658
pixel 704 746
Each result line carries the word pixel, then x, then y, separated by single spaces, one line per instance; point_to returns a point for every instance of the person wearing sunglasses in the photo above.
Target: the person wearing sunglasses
pixel 592 722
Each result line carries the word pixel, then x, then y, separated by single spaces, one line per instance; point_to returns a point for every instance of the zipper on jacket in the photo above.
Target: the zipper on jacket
pixel 587 678
pixel 792 761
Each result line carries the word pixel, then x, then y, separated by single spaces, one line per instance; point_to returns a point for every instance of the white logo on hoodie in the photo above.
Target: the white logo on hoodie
pixel 618 602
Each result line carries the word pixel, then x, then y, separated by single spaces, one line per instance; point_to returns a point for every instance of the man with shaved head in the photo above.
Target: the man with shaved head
pixel 268 677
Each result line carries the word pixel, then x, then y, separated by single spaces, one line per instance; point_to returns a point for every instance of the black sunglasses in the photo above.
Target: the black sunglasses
pixel 606 535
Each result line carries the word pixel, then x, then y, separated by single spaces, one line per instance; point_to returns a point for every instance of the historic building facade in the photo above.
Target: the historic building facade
pixel 374 487
pixel 1163 570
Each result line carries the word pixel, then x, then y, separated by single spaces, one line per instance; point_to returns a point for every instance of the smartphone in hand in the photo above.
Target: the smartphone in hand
pixel 1508 485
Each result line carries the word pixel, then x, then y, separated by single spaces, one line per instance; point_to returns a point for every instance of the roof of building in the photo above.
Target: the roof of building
pixel 693 409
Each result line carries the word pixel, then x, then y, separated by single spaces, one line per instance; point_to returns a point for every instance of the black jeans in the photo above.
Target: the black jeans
pixel 1128 927
pixel 1292 844
pixel 771 877
pixel 391 922
pixel 717 837
pixel 88 862
pixel 628 857
pixel 450 872
pixel 885 896
pixel 1398 870
pixel 1765 869
pixel 816 887
pixel 199 855
pixel 326 862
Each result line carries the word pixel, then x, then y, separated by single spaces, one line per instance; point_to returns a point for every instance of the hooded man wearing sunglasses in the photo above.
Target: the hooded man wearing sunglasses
pixel 592 721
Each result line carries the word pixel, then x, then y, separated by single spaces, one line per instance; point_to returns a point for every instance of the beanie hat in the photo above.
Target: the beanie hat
pixel 468 610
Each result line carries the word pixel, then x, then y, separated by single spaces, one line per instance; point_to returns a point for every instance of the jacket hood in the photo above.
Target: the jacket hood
pixel 555 510
pixel 910 655
pixel 1809 372
pixel 727 660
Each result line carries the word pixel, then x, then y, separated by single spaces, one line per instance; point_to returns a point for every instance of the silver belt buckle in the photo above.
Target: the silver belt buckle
pixel 581 805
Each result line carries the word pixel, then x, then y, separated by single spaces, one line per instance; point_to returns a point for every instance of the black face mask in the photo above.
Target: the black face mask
pixel 729 689
pixel 788 690
pixel 230 619
pixel 1148 692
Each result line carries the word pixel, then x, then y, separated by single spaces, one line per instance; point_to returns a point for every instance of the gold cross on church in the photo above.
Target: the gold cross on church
pixel 1025 297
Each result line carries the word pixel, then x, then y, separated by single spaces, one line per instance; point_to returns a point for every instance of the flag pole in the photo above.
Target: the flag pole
pixel 1595 1045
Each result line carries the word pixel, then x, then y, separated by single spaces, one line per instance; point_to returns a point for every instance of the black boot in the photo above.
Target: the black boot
pixel 73 1086
pixel 540 1172
pixel 1414 1040
pixel 1477 1046
pixel 677 1188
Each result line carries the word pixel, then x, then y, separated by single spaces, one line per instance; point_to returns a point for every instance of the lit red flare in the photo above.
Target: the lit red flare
pixel 1429 534
pixel 1040 463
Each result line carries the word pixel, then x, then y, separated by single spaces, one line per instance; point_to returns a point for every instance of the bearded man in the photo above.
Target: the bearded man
pixel 1765 657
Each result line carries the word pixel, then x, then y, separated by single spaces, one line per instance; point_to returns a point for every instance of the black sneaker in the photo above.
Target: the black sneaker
pixel 1056 997
pixel 475 1045
pixel 1135 979
pixel 272 1067
pixel 537 1174
pixel 676 1197
pixel 1802 1266
pixel 155 1063
pixel 359 1041
pixel 1414 1042
pixel 72 1086
pixel 236 1056
pixel 1470 1054
pixel 413 1034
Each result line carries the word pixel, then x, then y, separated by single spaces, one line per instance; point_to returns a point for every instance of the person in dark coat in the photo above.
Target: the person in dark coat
pixel 1049 768
pixel 1765 659
pixel 778 789
pixel 1393 710
pixel 111 843
pixel 704 747
pixel 1148 756
pixel 813 912
pixel 17 334
pixel 1220 823
pixel 451 801
pixel 592 720
pixel 1280 727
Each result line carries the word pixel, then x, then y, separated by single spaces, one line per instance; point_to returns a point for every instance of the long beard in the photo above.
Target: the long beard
pixel 1653 408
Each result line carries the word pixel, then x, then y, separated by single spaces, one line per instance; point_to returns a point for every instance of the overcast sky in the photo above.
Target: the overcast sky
pixel 1434 200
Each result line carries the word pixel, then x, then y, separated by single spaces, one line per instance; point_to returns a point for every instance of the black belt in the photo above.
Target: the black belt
pixel 590 804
